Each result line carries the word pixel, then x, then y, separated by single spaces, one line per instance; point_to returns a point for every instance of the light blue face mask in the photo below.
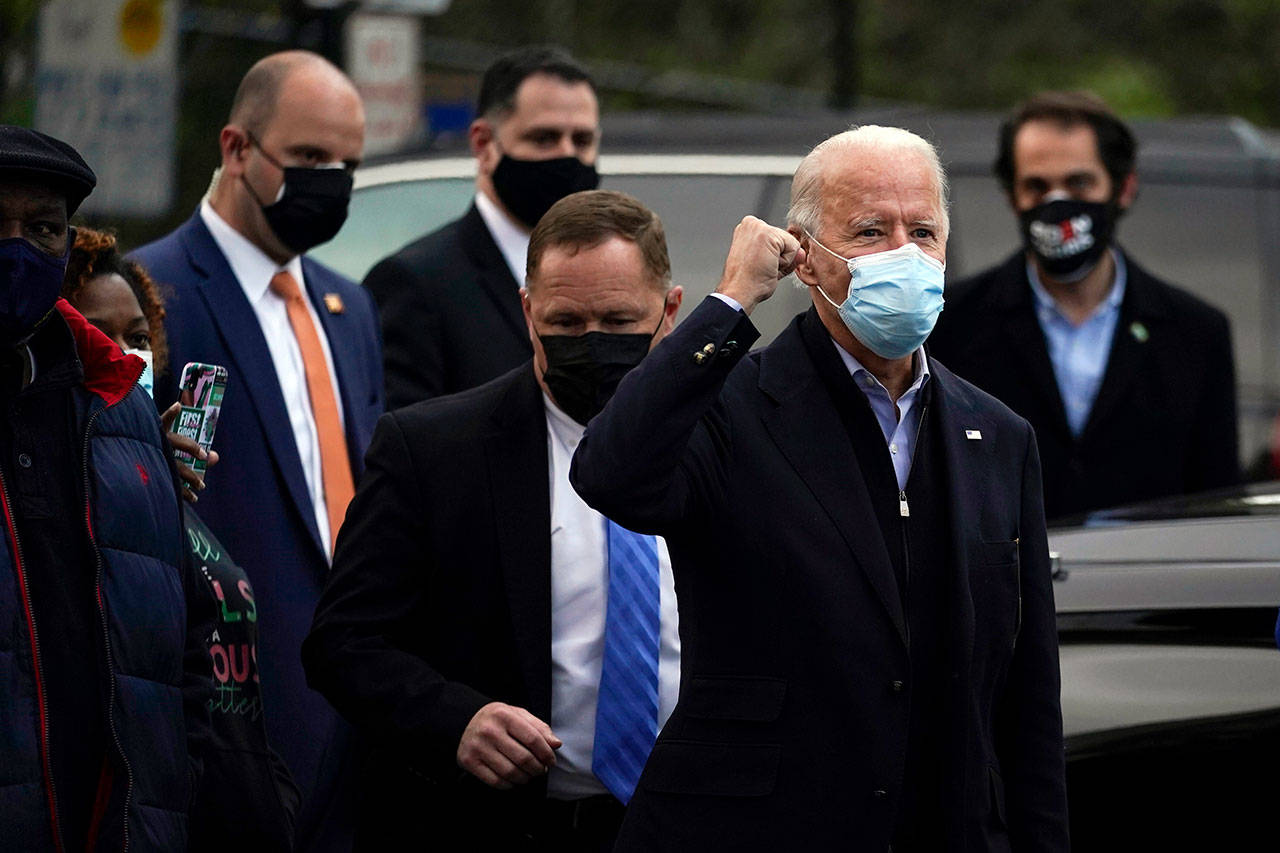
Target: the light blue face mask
pixel 894 298
pixel 147 380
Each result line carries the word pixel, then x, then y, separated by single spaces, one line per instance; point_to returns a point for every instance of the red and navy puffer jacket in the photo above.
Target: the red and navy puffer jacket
pixel 133 519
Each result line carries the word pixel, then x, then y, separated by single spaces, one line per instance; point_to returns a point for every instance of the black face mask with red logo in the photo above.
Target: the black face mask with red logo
pixel 1067 236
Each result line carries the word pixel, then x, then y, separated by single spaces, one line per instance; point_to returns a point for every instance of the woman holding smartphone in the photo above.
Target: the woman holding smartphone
pixel 246 798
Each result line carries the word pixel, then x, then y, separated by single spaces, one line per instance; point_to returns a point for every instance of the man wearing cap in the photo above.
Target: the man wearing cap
pixel 104 675
pixel 301 348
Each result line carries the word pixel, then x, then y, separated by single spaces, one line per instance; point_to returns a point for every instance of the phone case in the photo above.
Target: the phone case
pixel 200 390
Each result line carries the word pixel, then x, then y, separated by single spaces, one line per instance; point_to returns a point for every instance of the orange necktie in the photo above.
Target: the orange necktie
pixel 335 465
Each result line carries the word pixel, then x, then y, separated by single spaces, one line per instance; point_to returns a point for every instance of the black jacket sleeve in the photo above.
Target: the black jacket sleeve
pixel 1028 719
pixel 1214 457
pixel 634 463
pixel 381 572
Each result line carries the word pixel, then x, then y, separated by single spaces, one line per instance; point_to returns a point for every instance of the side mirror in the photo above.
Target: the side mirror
pixel 1056 571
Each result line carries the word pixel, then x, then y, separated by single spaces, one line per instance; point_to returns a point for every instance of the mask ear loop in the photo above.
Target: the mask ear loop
pixel 666 297
pixel 818 287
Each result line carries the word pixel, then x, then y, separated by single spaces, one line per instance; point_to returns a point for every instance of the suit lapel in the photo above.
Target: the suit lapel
pixel 495 280
pixel 1026 345
pixel 251 369
pixel 787 376
pixel 966 463
pixel 516 453
pixel 1129 348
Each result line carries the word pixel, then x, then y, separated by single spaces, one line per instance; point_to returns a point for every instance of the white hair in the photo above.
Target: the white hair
pixel 806 186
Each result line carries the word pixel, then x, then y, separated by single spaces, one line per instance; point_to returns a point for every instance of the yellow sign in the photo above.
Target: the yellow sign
pixel 141 22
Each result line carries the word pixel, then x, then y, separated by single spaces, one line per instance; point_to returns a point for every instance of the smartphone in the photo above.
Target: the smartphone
pixel 200 392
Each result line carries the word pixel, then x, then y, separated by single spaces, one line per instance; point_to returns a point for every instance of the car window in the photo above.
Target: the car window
pixel 384 217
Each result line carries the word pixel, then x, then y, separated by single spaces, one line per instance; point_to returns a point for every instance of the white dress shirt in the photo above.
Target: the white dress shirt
pixel 579 599
pixel 253 269
pixel 512 240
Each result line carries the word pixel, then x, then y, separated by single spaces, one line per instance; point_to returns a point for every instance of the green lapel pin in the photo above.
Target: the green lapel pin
pixel 1139 332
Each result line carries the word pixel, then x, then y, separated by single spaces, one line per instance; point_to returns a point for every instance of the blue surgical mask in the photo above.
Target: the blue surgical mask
pixel 894 298
pixel 147 380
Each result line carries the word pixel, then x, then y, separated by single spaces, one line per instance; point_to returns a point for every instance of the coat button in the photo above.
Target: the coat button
pixel 896 686
pixel 703 354
pixel 879 793
pixel 24 460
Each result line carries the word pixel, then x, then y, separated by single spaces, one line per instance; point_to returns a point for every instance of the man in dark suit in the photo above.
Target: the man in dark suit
pixel 870 656
pixel 300 344
pixel 477 606
pixel 1128 381
pixel 450 301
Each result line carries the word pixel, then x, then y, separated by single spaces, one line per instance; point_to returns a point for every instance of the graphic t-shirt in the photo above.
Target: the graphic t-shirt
pixel 246 800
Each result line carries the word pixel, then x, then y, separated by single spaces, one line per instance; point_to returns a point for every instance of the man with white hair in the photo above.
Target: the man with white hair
pixel 858 540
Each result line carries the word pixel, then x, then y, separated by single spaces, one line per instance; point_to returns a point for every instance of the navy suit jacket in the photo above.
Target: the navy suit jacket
pixel 790 730
pixel 257 501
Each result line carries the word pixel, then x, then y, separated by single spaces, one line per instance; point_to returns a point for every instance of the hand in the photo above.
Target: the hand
pixel 504 746
pixel 759 257
pixel 191 481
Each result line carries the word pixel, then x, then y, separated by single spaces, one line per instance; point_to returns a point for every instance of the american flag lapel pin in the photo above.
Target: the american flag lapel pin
pixel 333 302
pixel 973 434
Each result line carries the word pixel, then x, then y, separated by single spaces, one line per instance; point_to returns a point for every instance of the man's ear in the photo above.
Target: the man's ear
pixel 804 270
pixel 671 306
pixel 233 142
pixel 480 137
pixel 524 306
pixel 1128 191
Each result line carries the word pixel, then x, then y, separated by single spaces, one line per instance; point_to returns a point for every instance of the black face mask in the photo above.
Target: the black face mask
pixel 528 188
pixel 312 207
pixel 583 371
pixel 1067 236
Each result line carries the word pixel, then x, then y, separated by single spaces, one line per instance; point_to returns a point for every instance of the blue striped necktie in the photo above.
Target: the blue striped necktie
pixel 627 709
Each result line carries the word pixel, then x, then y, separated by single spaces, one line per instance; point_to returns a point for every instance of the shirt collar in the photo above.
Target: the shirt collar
pixel 250 265
pixel 919 366
pixel 1045 302
pixel 512 240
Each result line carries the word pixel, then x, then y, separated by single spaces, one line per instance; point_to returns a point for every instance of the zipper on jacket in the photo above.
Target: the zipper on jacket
pixel 45 761
pixel 904 511
pixel 106 635
pixel 1017 578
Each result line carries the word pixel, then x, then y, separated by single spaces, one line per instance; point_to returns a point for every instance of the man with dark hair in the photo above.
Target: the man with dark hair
pixel 300 344
pixel 1128 381
pixel 512 652
pixel 101 695
pixel 450 301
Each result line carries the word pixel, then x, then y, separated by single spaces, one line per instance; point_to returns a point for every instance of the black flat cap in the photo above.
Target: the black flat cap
pixel 35 156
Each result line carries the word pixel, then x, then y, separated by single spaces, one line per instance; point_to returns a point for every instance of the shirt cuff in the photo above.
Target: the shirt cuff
pixel 729 300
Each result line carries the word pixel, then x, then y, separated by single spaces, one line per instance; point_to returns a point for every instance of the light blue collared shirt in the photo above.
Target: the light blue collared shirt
pixel 1079 354
pixel 901 423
